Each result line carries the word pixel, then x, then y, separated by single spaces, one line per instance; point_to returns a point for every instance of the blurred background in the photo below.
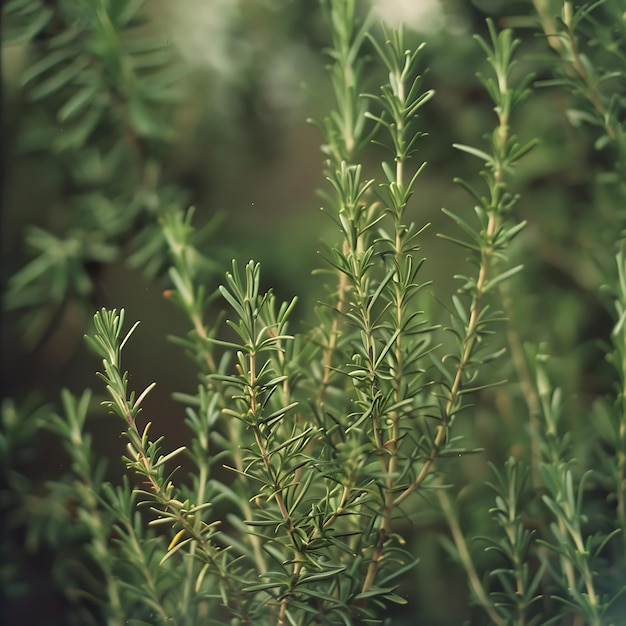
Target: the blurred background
pixel 228 130
pixel 212 101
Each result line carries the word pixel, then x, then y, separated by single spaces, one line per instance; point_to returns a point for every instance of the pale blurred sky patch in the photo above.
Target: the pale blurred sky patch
pixel 423 16
pixel 206 35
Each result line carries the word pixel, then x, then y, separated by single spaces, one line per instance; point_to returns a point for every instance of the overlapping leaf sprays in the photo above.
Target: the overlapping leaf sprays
pixel 101 94
pixel 326 439
pixel 557 567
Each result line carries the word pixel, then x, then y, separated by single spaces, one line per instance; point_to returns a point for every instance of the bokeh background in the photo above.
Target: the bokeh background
pixel 242 149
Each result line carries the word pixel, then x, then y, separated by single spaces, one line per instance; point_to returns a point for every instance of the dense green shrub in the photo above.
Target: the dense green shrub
pixel 403 454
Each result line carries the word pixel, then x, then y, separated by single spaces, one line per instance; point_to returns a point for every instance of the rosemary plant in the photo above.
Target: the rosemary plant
pixel 561 559
pixel 328 459
pixel 314 453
